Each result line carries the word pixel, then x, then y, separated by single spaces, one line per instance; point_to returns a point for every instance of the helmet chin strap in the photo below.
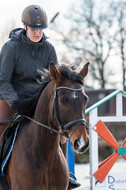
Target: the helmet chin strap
pixel 26 29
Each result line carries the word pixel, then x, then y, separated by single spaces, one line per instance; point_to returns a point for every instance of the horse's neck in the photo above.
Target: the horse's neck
pixel 43 110
pixel 44 137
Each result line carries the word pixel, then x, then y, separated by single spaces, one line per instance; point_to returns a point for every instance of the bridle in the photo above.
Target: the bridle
pixel 76 122
pixel 55 113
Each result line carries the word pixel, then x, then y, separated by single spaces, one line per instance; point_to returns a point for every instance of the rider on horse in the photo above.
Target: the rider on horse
pixel 27 51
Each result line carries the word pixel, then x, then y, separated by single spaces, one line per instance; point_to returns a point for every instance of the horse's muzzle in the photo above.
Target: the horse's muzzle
pixel 80 147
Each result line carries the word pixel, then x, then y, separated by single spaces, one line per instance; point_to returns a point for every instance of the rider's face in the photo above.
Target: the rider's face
pixel 34 35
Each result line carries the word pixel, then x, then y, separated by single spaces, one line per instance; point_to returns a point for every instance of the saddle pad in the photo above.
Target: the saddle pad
pixel 9 147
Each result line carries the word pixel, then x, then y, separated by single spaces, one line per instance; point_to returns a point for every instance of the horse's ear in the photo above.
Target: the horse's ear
pixel 55 73
pixel 84 70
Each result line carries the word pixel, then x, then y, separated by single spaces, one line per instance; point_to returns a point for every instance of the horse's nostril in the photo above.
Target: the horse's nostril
pixel 80 148
pixel 76 145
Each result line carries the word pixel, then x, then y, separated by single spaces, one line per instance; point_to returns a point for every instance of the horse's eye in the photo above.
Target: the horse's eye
pixel 64 100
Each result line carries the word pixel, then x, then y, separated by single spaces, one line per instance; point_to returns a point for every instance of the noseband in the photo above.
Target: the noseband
pixel 76 122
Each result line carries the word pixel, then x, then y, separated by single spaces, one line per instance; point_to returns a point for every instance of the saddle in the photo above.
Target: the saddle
pixel 7 140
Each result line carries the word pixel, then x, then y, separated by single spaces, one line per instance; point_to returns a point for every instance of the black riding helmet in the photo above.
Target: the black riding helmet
pixel 35 17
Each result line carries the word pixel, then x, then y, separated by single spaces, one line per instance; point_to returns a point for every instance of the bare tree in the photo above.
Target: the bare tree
pixel 120 11
pixel 92 35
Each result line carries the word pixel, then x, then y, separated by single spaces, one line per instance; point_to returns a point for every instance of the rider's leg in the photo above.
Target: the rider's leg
pixel 5 112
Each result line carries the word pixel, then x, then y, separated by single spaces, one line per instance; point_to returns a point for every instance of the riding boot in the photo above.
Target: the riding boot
pixel 73 183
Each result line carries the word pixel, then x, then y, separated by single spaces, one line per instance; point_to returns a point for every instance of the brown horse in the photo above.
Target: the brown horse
pixel 37 161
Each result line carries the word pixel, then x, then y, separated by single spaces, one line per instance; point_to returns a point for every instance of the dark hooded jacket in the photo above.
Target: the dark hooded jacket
pixel 19 60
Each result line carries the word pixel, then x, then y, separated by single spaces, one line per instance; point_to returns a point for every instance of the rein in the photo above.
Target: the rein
pixel 43 125
pixel 63 133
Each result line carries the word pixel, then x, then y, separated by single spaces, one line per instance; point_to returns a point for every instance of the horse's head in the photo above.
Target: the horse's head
pixel 69 105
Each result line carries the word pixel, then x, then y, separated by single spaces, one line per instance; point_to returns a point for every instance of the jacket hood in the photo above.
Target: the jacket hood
pixel 19 34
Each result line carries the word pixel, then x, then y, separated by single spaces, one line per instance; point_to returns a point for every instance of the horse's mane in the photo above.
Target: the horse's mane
pixel 28 107
pixel 69 73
